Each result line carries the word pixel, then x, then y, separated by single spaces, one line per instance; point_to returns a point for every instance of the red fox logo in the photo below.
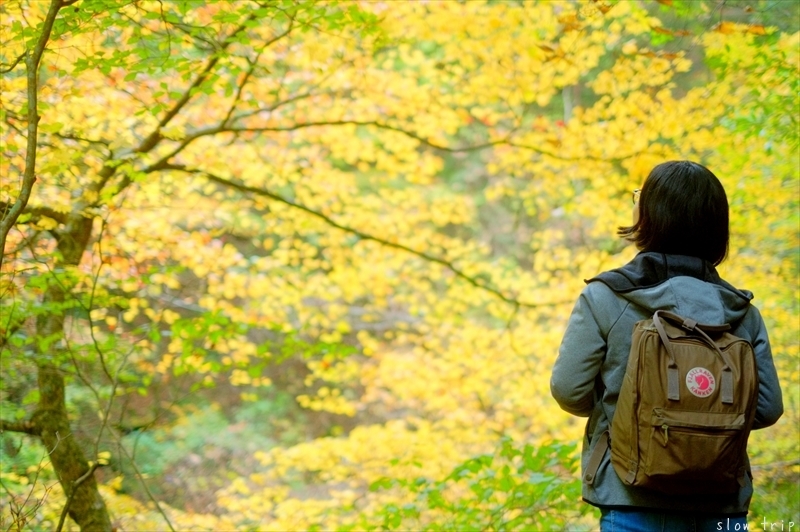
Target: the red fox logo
pixel 700 382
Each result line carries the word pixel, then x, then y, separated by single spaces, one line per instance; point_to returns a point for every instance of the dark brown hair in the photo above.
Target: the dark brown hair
pixel 683 210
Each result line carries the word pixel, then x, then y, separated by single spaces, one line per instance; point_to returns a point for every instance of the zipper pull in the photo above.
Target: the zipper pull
pixel 665 428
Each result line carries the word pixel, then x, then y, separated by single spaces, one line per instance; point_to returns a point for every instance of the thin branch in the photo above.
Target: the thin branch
pixel 155 136
pixel 146 488
pixel 194 35
pixel 240 89
pixel 59 439
pixel 69 136
pixel 13 65
pixel 114 386
pixel 241 187
pixel 277 105
pixel 19 514
pixel 10 328
pixel 32 60
pixel 10 119
pixel 90 306
pixel 77 482
pixel 78 372
pixel 300 96
pixel 776 465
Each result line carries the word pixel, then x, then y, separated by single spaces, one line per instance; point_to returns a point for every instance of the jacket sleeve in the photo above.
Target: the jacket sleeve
pixel 770 399
pixel 580 357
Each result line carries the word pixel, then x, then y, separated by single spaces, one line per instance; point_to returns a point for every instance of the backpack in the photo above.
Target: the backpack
pixel 685 409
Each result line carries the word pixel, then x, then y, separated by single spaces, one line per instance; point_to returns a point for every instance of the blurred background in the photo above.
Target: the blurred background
pixel 306 265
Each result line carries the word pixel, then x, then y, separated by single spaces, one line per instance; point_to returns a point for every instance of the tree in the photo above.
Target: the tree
pixel 376 209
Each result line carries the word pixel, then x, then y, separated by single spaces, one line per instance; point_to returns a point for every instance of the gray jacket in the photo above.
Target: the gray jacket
pixel 587 375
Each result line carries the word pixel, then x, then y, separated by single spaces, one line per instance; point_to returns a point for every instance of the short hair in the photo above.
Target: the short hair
pixel 683 210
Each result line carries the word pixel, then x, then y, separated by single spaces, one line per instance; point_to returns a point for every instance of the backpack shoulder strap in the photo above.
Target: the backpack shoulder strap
pixel 597 456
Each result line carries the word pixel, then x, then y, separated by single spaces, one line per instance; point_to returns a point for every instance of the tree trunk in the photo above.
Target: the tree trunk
pixel 86 506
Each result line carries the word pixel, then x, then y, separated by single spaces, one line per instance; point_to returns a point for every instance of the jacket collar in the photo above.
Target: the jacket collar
pixel 650 269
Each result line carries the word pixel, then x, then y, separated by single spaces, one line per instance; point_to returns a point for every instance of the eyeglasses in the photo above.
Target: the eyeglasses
pixel 636 194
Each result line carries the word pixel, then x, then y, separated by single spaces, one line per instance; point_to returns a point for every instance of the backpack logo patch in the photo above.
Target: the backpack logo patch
pixel 700 382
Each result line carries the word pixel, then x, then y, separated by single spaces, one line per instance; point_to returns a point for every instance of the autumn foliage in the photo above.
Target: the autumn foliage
pixel 306 265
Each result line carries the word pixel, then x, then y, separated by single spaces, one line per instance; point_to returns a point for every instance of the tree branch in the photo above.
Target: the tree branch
pixel 32 60
pixel 241 187
pixel 153 139
pixel 221 128
pixel 26 427
pixel 155 136
pixel 215 130
pixel 373 123
pixel 422 140
pixel 37 212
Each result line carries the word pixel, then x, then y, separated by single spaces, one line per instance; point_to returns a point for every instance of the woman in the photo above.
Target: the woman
pixel 680 226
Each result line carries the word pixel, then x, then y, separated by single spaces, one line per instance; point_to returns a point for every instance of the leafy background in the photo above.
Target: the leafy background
pixel 306 265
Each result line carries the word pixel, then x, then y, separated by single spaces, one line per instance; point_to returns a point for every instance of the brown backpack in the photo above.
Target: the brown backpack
pixel 685 409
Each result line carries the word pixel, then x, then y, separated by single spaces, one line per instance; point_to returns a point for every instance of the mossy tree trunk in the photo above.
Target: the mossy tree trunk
pixel 50 420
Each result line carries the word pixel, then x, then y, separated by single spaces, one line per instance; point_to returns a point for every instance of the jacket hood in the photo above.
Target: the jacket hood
pixel 656 281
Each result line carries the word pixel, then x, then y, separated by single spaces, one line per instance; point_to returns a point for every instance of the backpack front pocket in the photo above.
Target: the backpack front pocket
pixel 696 451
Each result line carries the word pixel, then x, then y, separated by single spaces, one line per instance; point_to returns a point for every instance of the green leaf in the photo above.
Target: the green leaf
pixel 51 127
pixel 381 484
pixel 32 397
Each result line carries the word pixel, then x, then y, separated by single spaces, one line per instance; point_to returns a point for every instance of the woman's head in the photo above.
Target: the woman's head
pixel 682 210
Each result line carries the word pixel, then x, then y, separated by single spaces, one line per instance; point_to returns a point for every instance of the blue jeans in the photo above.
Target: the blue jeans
pixel 636 521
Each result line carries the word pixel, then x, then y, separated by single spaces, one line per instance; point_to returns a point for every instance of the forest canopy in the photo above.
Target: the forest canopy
pixel 296 265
